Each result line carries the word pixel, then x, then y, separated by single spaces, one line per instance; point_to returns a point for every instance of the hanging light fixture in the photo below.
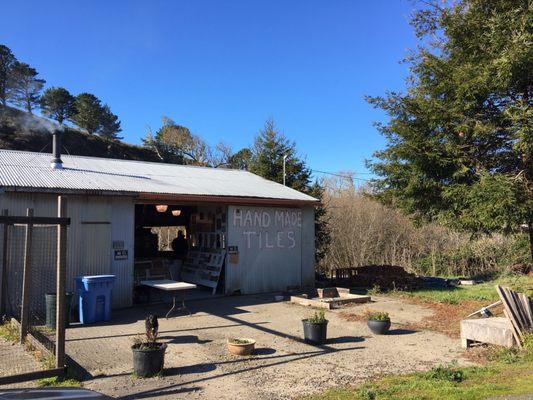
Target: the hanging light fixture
pixel 161 208
pixel 176 213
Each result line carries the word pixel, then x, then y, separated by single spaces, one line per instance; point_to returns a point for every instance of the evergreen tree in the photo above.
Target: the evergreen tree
pixel 7 60
pixel 322 232
pixel 88 114
pixel 460 140
pixel 266 160
pixel 110 124
pixel 24 86
pixel 57 103
pixel 268 151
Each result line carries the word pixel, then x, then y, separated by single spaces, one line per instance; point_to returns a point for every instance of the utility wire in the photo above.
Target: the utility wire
pixel 341 175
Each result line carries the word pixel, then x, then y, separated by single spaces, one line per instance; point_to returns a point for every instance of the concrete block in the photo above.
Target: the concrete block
pixel 495 330
pixel 327 292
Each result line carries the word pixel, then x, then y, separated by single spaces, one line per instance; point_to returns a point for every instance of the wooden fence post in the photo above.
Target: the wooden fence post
pixel 3 289
pixel 24 315
pixel 61 283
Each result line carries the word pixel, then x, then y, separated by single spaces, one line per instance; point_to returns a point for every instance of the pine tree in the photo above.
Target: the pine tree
pixel 57 103
pixel 88 114
pixel 24 86
pixel 110 124
pixel 460 140
pixel 268 151
pixel 7 60
pixel 266 160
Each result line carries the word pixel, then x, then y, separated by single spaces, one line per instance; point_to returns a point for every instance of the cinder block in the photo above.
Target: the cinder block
pixel 327 292
pixel 495 330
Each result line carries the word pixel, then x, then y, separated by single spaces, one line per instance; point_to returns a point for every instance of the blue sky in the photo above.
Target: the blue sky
pixel 223 67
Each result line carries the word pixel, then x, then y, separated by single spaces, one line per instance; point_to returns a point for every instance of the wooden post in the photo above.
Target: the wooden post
pixel 61 283
pixel 3 289
pixel 24 314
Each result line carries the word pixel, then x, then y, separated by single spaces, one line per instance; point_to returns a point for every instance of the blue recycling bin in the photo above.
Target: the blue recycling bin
pixel 94 293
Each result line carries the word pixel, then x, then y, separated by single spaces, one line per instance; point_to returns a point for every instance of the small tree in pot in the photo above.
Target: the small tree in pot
pixel 149 354
pixel 316 328
pixel 378 322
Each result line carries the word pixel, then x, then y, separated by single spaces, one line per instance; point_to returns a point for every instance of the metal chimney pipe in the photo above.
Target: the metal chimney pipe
pixel 56 162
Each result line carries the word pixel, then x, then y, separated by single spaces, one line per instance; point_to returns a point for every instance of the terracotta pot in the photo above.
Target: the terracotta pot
pixel 243 349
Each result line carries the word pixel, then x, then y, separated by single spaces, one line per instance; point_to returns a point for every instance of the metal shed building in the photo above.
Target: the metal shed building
pixel 267 228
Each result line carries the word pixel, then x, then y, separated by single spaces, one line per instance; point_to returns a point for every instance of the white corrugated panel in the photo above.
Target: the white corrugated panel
pixel 21 169
pixel 89 240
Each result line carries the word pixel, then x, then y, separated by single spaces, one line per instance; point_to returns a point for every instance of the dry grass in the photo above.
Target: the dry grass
pixel 446 318
pixel 365 232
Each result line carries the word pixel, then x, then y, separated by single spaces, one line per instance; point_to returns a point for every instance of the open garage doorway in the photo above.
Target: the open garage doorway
pixel 179 242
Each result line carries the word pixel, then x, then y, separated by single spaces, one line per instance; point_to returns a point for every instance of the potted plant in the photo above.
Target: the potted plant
pixel 241 346
pixel 378 322
pixel 315 328
pixel 148 354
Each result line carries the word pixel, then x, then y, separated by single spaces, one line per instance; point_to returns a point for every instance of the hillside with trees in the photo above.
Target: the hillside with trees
pixel 22 131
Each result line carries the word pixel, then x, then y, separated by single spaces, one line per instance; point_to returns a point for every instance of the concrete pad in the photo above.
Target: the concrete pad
pixel 496 330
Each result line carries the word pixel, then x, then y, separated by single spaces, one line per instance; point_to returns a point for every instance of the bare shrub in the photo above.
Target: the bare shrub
pixel 365 232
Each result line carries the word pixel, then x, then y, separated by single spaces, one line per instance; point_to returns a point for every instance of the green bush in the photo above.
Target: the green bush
pixel 482 256
pixel 319 317
pixel 450 373
pixel 376 316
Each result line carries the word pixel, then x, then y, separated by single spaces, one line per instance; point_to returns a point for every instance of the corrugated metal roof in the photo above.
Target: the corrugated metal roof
pixel 32 171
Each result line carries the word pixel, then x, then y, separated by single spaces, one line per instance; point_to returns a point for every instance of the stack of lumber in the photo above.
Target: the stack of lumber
pixel 386 277
pixel 518 309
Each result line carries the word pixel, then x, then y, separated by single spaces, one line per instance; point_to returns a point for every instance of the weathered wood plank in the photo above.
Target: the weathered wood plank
pixel 24 314
pixel 61 282
pixel 517 305
pixel 526 304
pixel 30 376
pixel 19 219
pixel 510 314
pixel 3 288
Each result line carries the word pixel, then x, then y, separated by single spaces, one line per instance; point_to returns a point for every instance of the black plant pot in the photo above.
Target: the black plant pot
pixel 315 333
pixel 379 327
pixel 148 362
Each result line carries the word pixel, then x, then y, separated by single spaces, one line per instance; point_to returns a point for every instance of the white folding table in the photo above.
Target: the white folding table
pixel 171 286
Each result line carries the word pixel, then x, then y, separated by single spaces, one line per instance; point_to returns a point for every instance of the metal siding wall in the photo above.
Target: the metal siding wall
pixel 122 228
pixel 308 246
pixel 89 245
pixel 261 268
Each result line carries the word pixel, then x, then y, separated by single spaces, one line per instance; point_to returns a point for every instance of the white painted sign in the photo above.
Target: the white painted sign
pixel 268 228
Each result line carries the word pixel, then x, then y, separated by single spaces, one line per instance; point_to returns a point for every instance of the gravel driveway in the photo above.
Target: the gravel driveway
pixel 284 367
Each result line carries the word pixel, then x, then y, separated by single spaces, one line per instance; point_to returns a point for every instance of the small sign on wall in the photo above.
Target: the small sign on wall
pixel 233 254
pixel 121 254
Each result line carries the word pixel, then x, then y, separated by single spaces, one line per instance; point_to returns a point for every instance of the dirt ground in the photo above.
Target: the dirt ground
pixel 197 365
pixel 16 360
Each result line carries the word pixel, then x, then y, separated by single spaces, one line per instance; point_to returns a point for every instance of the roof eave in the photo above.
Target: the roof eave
pixel 188 198
pixel 167 197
